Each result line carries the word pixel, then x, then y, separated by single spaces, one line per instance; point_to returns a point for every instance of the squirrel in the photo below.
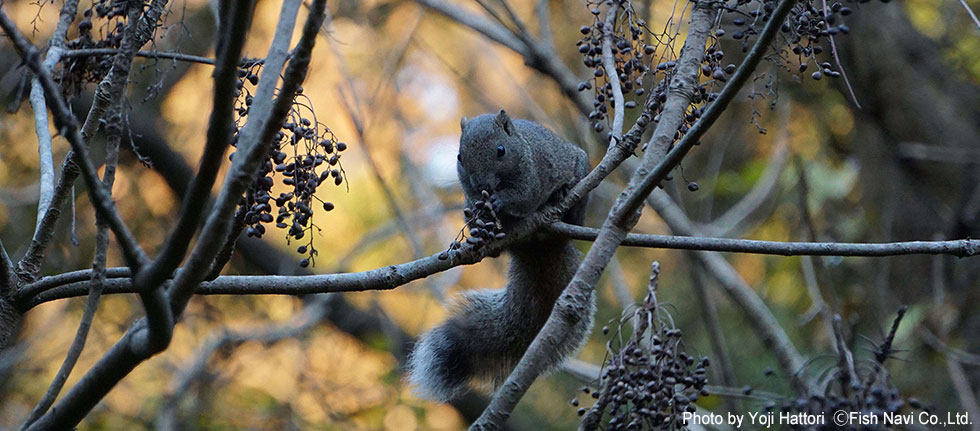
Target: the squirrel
pixel 524 166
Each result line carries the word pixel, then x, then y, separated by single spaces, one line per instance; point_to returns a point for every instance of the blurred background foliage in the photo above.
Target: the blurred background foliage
pixel 408 74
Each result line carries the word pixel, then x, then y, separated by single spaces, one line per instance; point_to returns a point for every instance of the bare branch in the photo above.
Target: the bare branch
pixel 494 32
pixel 972 14
pixel 146 54
pixel 9 315
pixel 612 74
pixel 960 248
pixel 384 278
pixel 716 337
pixel 938 345
pixel 312 314
pixel 98 277
pixel 544 23
pixel 75 283
pixel 961 383
pixel 939 153
pixel 845 358
pixel 52 57
pixel 536 54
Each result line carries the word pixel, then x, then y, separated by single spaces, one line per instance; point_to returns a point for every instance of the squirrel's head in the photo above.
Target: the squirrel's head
pixel 491 149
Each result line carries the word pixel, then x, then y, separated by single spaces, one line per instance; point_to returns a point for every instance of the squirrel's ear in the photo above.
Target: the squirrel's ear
pixel 462 123
pixel 504 121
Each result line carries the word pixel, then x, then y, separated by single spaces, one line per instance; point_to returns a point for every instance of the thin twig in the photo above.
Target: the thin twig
pixel 716 337
pixel 732 222
pixel 961 384
pixel 98 279
pixel 938 345
pixel 73 284
pixel 535 53
pixel 313 313
pixel 845 358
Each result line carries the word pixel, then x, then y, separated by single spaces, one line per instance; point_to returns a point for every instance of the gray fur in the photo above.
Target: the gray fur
pixel 490 330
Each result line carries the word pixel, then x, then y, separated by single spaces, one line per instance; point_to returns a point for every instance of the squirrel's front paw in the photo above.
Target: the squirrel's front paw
pixel 497 205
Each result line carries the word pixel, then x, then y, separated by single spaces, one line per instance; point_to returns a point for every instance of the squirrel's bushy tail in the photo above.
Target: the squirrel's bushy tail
pixel 490 330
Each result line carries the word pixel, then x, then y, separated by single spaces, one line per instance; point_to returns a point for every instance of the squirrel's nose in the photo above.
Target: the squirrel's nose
pixel 488 184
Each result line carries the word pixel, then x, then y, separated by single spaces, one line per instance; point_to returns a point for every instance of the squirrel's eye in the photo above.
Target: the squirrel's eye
pixel 501 151
pixel 459 157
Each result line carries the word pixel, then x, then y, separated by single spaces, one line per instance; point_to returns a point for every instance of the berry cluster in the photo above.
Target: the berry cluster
pixel 808 29
pixel 484 226
pixel 650 382
pixel 628 51
pixel 807 32
pixel 867 390
pixel 101 27
pixel 305 153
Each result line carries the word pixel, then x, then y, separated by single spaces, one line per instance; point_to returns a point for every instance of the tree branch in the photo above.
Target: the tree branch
pixel 51 58
pixel 9 315
pixel 733 221
pixel 612 74
pixel 146 54
pixel 959 248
